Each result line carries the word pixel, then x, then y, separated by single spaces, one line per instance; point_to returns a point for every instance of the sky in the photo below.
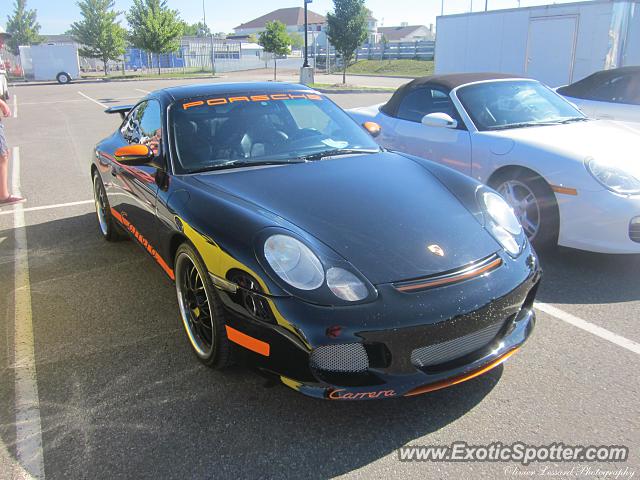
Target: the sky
pixel 55 16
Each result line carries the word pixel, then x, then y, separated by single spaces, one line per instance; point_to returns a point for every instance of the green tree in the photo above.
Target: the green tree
pixel 198 29
pixel 23 27
pixel 297 40
pixel 276 41
pixel 99 31
pixel 347 29
pixel 252 38
pixel 154 27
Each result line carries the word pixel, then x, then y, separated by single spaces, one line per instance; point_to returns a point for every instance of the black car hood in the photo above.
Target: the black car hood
pixel 379 211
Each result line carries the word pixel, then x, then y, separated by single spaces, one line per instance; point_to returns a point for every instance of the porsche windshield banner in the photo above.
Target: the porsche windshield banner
pixel 251 98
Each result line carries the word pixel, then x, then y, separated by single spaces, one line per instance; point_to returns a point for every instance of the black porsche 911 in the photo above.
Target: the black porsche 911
pixel 300 247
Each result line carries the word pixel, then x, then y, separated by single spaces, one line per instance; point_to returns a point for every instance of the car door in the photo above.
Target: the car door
pixel 134 189
pixel 449 146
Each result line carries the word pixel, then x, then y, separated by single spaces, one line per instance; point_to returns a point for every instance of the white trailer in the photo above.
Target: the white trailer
pixel 556 44
pixel 50 62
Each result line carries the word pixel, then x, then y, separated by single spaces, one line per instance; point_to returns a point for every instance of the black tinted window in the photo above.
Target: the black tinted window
pixel 424 101
pixel 210 132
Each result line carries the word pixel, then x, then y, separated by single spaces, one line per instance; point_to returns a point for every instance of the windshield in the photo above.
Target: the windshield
pixel 228 131
pixel 513 104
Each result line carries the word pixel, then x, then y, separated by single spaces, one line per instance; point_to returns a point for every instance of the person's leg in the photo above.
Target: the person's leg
pixel 4 174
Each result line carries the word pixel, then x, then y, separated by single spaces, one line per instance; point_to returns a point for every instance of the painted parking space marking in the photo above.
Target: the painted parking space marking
pixel 589 327
pixel 142 90
pixel 27 404
pixel 48 207
pixel 92 99
pixel 75 100
pixel 15 106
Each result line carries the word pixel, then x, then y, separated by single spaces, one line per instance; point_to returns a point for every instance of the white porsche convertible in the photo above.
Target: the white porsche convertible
pixel 571 180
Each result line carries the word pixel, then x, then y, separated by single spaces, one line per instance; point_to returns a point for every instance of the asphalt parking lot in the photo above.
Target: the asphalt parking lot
pixel 120 395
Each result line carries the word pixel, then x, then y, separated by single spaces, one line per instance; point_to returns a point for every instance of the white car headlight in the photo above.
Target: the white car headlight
pixel 346 285
pixel 504 224
pixel 614 178
pixel 294 262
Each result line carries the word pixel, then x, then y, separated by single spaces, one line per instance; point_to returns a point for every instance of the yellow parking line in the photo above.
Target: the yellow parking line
pixel 27 403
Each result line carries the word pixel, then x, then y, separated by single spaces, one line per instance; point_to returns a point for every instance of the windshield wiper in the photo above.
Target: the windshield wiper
pixel 574 119
pixel 539 124
pixel 243 163
pixel 335 152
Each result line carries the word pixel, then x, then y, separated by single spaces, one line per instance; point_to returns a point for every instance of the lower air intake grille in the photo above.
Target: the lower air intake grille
pixel 452 349
pixel 634 230
pixel 349 357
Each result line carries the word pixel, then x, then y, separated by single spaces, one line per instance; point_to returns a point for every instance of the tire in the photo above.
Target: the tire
pixel 539 215
pixel 106 223
pixel 200 310
pixel 63 78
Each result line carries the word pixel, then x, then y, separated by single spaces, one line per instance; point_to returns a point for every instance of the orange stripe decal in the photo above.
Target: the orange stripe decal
pixel 462 378
pixel 250 343
pixel 143 241
pixel 452 279
pixel 565 190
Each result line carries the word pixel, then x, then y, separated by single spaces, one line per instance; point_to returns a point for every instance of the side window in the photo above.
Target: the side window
pixel 144 126
pixel 129 128
pixel 424 101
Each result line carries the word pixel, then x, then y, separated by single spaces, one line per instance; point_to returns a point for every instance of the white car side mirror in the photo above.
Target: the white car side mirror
pixel 439 119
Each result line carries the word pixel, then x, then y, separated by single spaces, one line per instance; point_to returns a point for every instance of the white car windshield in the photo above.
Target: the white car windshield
pixel 515 104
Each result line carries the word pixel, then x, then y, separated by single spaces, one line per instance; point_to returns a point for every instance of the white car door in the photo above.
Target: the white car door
pixel 449 146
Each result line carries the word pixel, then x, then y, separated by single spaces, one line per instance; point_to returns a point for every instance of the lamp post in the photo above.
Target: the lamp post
pixel 204 21
pixel 306 30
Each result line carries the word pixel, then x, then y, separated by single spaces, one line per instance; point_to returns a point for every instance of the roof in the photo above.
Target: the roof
pixel 397 33
pixel 446 82
pixel 288 16
pixel 231 88
pixel 64 38
pixel 453 80
pixel 583 87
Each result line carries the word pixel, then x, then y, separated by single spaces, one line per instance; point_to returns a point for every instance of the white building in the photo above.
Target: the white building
pixel 293 19
pixel 557 44
pixel 407 33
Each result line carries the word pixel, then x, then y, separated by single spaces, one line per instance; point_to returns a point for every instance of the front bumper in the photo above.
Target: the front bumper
pixel 598 221
pixel 391 328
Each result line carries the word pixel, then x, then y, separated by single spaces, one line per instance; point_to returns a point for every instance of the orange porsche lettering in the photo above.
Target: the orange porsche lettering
pixel 216 101
pixel 192 104
pixel 122 218
pixel 212 102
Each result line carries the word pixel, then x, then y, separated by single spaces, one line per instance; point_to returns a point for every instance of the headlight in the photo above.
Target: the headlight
pixel 503 223
pixel 346 285
pixel 294 262
pixel 613 178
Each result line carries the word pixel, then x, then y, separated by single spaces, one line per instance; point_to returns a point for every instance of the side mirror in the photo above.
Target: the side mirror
pixel 439 119
pixel 134 154
pixel 373 128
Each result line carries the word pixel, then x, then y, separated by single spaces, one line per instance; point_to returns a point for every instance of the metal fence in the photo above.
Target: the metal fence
pixel 422 50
